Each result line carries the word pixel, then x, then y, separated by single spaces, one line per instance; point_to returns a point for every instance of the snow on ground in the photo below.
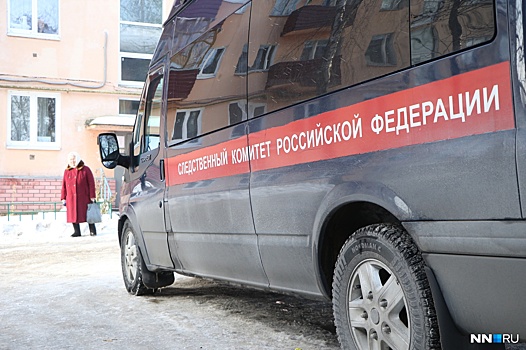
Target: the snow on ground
pixel 45 227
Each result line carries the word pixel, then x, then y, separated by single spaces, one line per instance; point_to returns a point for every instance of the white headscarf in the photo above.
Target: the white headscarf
pixel 77 158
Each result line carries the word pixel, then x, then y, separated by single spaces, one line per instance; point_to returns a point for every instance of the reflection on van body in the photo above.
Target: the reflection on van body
pixel 365 152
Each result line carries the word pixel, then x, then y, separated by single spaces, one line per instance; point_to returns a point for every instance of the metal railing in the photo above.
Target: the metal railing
pixel 41 209
pixel 104 194
pixel 14 209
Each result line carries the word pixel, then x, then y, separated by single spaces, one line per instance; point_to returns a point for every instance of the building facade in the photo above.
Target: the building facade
pixel 68 71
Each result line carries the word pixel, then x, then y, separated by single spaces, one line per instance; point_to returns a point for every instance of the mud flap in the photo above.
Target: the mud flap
pixel 155 280
pixel 450 336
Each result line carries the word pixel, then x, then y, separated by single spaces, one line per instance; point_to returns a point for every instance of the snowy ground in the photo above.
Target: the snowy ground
pixel 59 292
pixel 46 227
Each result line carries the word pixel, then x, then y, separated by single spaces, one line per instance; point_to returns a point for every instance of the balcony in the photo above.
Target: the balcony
pixel 309 17
pixel 315 17
pixel 181 83
pixel 306 74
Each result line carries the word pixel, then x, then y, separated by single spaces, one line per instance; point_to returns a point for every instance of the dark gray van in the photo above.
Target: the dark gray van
pixel 368 152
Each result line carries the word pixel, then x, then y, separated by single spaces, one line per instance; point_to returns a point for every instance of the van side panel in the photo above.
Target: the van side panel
pixel 212 232
pixel 419 140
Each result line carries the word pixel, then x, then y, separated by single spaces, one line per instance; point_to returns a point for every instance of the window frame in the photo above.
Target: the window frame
pixel 313 46
pixel 135 55
pixel 33 142
pixel 247 112
pixel 144 113
pixel 267 61
pixel 131 101
pixel 184 131
pixel 33 32
pixel 386 40
pixel 268 58
pixel 210 56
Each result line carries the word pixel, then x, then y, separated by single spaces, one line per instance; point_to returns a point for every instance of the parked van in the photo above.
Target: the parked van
pixel 368 152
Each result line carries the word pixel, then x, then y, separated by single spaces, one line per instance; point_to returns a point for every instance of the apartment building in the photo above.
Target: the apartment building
pixel 68 71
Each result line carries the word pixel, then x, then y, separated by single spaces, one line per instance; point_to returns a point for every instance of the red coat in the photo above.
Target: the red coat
pixel 78 187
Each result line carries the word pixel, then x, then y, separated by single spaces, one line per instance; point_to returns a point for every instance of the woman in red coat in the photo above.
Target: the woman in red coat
pixel 78 190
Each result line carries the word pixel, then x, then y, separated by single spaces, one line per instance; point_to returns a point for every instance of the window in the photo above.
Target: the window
pixel 153 114
pixel 128 107
pixel 262 62
pixel 146 136
pixel 313 50
pixel 284 7
pixel 33 121
pixel 381 51
pixel 197 106
pixel 237 111
pixel 211 63
pixel 187 124
pixel 312 60
pixel 242 63
pixel 440 27
pixel 38 18
pixel 264 58
pixel 140 29
pixel 423 44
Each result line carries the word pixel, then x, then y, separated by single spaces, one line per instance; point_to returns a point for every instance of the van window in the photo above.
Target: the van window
pixel 199 17
pixel 146 133
pixel 197 104
pixel 440 27
pixel 320 47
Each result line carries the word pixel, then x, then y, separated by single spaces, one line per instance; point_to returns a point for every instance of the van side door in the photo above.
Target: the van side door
pixel 146 173
pixel 212 232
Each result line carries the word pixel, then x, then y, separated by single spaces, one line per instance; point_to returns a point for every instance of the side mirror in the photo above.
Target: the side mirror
pixel 109 151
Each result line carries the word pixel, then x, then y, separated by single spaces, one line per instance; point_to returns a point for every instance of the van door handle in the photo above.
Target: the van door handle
pixel 161 166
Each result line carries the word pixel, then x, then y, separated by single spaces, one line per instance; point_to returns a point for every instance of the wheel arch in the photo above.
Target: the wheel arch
pixel 129 215
pixel 346 208
pixel 151 280
pixel 339 224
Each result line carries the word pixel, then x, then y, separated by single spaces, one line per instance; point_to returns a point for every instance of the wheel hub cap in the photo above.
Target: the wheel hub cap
pixel 375 316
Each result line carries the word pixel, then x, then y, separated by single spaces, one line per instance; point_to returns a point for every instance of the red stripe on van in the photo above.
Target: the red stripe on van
pixel 472 103
pixel 206 163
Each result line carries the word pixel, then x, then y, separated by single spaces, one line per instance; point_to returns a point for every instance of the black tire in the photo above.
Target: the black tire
pixel 132 263
pixel 381 295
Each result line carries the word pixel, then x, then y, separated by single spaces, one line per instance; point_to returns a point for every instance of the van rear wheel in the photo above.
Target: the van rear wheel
pixel 381 296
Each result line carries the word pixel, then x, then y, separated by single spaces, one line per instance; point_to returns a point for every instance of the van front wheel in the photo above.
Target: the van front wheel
pixel 381 295
pixel 132 263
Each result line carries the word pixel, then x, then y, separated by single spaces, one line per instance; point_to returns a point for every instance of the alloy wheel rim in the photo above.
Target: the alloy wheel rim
pixel 377 308
pixel 131 257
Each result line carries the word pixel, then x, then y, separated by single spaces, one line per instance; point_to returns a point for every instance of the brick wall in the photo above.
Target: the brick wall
pixel 26 190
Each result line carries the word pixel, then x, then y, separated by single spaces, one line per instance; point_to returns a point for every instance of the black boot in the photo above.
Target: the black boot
pixel 92 230
pixel 76 227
